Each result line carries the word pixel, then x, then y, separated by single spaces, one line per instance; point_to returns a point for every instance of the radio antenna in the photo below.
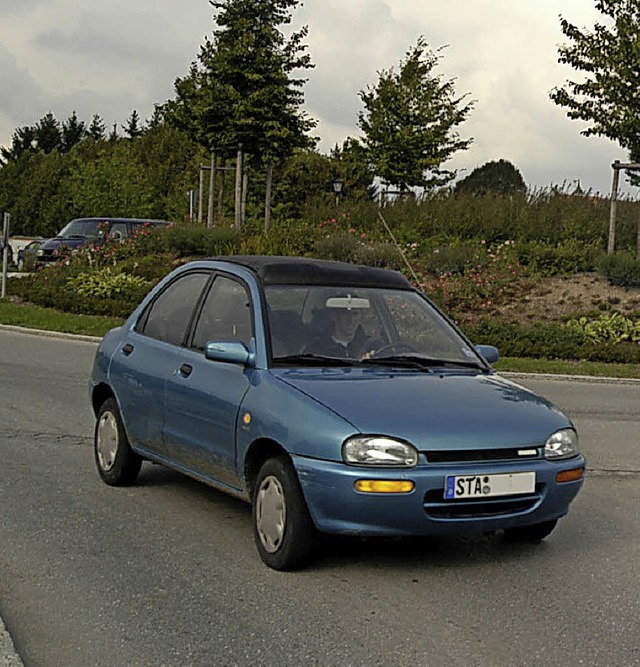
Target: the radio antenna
pixel 397 245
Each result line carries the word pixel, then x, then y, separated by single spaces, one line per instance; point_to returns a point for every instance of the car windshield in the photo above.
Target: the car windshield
pixel 83 229
pixel 317 325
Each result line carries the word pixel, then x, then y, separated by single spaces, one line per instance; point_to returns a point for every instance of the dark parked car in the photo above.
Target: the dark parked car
pixel 336 399
pixel 81 231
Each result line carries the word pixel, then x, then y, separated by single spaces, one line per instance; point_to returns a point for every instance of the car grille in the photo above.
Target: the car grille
pixel 473 455
pixel 436 507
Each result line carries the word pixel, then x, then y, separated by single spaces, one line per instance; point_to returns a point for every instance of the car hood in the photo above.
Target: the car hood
pixel 438 410
pixel 53 244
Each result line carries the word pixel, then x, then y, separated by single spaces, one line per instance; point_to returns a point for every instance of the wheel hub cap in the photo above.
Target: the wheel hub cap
pixel 271 514
pixel 107 441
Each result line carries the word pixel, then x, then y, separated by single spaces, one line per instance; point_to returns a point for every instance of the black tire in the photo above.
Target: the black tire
pixel 534 533
pixel 117 463
pixel 283 529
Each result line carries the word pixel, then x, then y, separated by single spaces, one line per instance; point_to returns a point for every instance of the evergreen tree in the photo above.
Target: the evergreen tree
pixel 23 141
pixel 97 129
pixel 73 131
pixel 242 90
pixel 608 58
pixel 132 129
pixel 48 134
pixel 409 122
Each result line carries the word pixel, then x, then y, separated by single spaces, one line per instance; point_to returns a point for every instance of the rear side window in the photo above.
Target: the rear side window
pixel 169 315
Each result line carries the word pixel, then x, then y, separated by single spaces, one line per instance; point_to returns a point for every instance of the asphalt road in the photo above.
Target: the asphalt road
pixel 165 572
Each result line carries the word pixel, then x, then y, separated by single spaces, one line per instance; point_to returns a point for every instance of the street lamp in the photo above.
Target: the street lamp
pixel 337 188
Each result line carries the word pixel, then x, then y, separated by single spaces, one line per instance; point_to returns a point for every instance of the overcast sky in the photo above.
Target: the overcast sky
pixel 113 56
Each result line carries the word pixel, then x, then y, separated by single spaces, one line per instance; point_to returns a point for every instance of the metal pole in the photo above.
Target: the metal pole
pixel 212 180
pixel 5 254
pixel 614 204
pixel 239 188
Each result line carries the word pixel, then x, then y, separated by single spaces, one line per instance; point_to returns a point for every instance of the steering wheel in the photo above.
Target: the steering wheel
pixel 402 347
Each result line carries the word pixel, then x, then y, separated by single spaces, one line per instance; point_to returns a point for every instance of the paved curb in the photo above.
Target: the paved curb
pixel 50 334
pixel 595 379
pixel 8 655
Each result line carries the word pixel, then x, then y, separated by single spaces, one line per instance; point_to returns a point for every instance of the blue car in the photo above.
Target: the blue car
pixel 336 399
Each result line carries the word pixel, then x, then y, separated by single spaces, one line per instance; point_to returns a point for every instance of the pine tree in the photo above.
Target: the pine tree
pixel 242 90
pixel 73 131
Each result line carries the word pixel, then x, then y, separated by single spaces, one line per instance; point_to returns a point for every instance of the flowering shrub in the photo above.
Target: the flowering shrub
pixel 341 241
pixel 486 279
pixel 105 283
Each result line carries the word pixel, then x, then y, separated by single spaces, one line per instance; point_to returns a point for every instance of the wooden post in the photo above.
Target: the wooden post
pixel 245 188
pixel 238 195
pixel 223 171
pixel 267 198
pixel 614 203
pixel 212 181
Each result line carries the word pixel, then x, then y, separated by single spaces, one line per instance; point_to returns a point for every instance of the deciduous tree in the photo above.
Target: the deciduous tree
pixel 409 121
pixel 499 177
pixel 605 96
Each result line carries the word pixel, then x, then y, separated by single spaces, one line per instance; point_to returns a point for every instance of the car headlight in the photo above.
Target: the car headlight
pixel 562 444
pixel 39 253
pixel 377 450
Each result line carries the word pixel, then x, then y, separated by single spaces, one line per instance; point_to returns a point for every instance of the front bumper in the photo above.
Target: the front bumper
pixel 336 507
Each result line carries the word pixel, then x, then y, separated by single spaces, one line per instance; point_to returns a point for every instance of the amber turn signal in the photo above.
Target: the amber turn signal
pixel 384 486
pixel 570 475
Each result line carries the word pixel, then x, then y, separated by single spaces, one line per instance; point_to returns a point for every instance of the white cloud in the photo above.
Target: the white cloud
pixel 110 57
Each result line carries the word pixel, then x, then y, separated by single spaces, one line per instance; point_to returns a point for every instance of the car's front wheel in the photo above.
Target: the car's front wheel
pixel 118 464
pixel 282 526
pixel 534 533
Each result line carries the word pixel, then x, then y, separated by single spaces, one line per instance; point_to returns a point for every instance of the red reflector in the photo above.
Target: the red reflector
pixel 570 475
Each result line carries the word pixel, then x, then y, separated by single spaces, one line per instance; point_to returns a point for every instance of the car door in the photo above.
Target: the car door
pixel 202 397
pixel 146 358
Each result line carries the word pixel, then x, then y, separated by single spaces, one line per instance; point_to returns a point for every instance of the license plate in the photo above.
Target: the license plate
pixel 487 486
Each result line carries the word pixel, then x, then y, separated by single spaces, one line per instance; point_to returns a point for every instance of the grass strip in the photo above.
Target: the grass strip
pixel 48 319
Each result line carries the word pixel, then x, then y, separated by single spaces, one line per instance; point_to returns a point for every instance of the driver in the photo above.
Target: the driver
pixel 345 337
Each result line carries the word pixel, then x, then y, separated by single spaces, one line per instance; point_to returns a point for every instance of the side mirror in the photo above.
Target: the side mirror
pixel 488 352
pixel 228 351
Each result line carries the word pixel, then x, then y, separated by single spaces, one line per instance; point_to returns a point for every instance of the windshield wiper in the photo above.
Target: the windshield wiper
pixel 418 361
pixel 315 360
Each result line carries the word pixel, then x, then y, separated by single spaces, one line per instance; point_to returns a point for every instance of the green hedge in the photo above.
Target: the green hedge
pixel 550 341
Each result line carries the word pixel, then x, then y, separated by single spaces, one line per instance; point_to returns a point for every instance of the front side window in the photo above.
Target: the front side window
pixel 84 229
pixel 169 315
pixel 225 314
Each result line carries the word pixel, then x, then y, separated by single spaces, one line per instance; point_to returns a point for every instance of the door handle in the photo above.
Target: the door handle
pixel 186 369
pixel 127 349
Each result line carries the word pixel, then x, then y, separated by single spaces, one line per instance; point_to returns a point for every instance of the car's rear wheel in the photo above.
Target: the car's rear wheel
pixel 282 526
pixel 118 464
pixel 534 533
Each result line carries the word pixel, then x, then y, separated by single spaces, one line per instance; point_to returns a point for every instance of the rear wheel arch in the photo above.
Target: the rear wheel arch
pixel 100 394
